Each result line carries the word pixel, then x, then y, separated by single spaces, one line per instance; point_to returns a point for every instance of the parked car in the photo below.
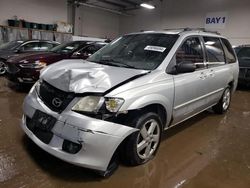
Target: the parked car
pixel 26 68
pixel 243 53
pixel 121 98
pixel 16 47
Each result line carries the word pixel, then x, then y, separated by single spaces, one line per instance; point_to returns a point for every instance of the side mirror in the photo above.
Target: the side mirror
pixel 185 67
pixel 76 54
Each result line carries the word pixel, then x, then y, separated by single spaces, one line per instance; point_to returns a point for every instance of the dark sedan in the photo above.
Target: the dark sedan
pixel 16 47
pixel 26 68
pixel 243 54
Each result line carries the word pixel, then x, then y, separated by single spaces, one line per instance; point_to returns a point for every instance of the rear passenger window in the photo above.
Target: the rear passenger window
pixel 191 51
pixel 31 46
pixel 45 46
pixel 229 53
pixel 215 53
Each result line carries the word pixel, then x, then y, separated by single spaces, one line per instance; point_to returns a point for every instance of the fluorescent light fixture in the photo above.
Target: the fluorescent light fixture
pixel 148 6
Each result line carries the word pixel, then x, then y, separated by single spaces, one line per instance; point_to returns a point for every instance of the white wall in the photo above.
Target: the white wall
pixel 96 23
pixel 41 11
pixel 168 14
pixel 192 13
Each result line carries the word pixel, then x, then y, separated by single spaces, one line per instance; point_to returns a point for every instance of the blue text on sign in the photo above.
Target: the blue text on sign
pixel 216 20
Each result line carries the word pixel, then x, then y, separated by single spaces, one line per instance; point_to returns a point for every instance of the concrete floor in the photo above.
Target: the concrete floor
pixel 206 151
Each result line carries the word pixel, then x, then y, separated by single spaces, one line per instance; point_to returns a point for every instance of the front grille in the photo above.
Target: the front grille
pixel 12 68
pixel 56 99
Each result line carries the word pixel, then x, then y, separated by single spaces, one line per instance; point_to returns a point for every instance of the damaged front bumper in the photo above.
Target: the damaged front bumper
pixel 98 139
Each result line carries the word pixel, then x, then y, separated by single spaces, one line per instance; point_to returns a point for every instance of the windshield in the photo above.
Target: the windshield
pixel 10 45
pixel 138 51
pixel 67 48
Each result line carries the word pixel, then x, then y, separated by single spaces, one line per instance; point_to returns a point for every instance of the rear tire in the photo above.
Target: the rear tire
pixel 141 146
pixel 223 105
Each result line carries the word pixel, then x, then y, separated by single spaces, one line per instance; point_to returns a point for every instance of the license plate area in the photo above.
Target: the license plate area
pixel 41 124
pixel 42 121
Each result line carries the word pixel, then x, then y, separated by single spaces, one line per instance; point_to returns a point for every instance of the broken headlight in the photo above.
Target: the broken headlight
pixel 95 103
pixel 113 104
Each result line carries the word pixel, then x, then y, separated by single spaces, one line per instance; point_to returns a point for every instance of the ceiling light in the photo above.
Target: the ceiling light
pixel 148 6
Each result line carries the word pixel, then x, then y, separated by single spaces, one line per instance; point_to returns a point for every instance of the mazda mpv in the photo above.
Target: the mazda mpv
pixel 120 100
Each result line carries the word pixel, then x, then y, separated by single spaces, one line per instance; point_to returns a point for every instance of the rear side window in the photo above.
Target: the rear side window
pixel 215 53
pixel 32 46
pixel 45 46
pixel 229 53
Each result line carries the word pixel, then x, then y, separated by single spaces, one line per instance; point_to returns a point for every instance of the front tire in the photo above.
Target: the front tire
pixel 3 68
pixel 141 146
pixel 223 105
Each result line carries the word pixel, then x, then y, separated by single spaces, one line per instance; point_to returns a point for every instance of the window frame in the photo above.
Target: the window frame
pixel 214 64
pixel 26 43
pixel 45 42
pixel 171 66
pixel 224 46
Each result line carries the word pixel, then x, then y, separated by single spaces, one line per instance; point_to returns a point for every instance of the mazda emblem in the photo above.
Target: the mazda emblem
pixel 57 102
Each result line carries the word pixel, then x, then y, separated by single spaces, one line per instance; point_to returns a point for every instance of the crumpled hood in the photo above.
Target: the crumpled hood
pixel 81 76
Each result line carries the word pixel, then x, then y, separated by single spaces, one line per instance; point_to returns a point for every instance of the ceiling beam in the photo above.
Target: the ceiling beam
pixel 130 2
pixel 102 8
pixel 113 3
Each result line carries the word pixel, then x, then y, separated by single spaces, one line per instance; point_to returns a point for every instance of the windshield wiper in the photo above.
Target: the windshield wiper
pixel 113 62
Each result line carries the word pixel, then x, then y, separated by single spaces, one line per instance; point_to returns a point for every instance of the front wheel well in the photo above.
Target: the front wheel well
pixel 231 85
pixel 158 109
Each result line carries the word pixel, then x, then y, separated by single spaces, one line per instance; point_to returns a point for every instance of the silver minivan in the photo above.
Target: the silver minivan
pixel 120 100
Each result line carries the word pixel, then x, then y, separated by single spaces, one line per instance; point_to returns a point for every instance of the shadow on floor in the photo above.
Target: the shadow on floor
pixel 56 167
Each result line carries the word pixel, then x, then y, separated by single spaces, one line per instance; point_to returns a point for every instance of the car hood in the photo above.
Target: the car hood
pixel 80 76
pixel 34 56
pixel 5 54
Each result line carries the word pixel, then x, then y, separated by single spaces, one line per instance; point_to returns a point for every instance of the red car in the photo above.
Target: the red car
pixel 25 68
pixel 17 47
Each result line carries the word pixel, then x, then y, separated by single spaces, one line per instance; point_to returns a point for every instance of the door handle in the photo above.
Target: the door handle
pixel 203 76
pixel 211 73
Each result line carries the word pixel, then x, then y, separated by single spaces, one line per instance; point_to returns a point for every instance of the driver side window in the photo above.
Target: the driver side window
pixel 32 46
pixel 190 52
pixel 88 50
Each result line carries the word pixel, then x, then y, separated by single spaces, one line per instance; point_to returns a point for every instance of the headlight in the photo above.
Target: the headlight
pixel 89 104
pixel 35 86
pixel 113 104
pixel 37 65
pixel 95 103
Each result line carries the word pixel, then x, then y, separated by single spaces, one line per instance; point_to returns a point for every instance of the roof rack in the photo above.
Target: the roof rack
pixel 194 29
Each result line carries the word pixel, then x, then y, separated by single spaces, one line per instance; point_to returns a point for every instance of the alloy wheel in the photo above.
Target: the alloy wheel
pixel 148 139
pixel 2 68
pixel 226 99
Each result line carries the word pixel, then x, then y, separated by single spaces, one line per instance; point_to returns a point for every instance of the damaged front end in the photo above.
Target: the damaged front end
pixel 84 139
